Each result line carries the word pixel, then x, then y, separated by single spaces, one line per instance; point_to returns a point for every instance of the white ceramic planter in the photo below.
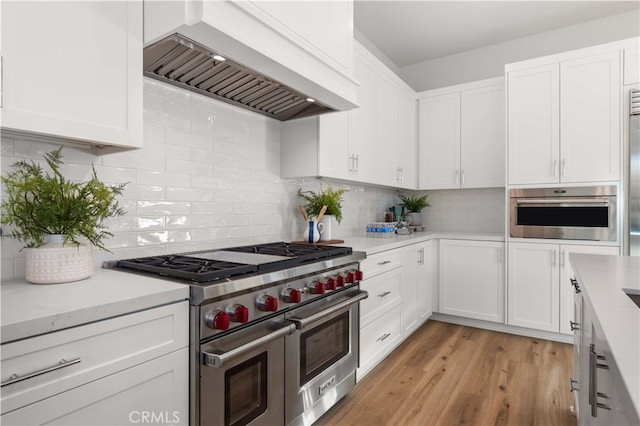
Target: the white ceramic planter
pixel 415 219
pixel 55 263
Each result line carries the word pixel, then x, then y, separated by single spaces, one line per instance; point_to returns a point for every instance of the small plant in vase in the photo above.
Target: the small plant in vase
pixel 51 215
pixel 414 205
pixel 329 197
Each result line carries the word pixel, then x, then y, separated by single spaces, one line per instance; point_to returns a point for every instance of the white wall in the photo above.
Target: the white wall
pixel 208 176
pixel 488 62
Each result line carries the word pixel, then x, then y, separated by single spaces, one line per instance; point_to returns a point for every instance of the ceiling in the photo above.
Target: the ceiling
pixel 409 32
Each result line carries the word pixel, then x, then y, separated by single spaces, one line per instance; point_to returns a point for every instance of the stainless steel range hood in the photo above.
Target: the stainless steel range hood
pixel 187 64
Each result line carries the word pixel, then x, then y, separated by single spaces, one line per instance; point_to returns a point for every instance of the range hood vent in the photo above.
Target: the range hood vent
pixel 187 64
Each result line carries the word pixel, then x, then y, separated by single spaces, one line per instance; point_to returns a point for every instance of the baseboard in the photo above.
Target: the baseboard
pixel 503 328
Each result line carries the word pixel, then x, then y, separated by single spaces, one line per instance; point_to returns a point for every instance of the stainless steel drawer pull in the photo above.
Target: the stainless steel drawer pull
pixel 14 378
pixel 386 293
pixel 573 385
pixel 383 337
pixel 384 262
pixel 575 284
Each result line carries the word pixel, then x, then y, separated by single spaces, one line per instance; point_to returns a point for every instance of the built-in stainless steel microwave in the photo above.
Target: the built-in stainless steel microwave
pixel 572 213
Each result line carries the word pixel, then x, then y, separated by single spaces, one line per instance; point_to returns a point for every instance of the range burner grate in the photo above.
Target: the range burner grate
pixel 198 267
pixel 301 252
pixel 187 267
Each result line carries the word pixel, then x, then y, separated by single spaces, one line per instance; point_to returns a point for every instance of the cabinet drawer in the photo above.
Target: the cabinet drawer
pixel 378 339
pixel 159 386
pixel 381 262
pixel 55 362
pixel 384 293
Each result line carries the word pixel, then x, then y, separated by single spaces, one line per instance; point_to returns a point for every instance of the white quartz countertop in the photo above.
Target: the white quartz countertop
pixel 377 245
pixel 602 280
pixel 32 309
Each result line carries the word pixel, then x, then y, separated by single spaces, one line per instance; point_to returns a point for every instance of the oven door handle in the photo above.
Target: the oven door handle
pixel 326 313
pixel 577 202
pixel 218 360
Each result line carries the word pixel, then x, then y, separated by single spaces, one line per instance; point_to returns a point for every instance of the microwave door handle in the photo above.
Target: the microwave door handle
pixel 327 313
pixel 577 202
pixel 217 360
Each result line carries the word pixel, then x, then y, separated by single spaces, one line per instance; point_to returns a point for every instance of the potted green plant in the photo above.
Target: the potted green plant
pixel 54 217
pixel 329 197
pixel 414 205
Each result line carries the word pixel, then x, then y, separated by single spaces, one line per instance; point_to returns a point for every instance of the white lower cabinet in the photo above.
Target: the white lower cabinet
pixel 380 313
pixel 603 398
pixel 102 372
pixel 472 279
pixel 539 291
pixel 417 285
pixel 154 392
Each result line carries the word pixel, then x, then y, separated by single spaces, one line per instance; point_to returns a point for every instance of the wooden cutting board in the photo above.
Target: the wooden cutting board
pixel 321 243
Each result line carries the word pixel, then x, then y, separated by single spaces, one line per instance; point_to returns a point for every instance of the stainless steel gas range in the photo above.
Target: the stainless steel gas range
pixel 274 329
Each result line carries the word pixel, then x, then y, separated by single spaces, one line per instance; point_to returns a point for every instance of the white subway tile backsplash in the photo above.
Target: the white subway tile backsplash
pixel 208 176
pixel 156 178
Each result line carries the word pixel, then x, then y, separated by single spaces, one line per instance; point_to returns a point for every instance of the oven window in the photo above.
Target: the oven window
pixel 590 217
pixel 323 346
pixel 246 391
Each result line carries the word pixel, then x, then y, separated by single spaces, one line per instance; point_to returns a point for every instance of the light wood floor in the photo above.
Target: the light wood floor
pixel 447 374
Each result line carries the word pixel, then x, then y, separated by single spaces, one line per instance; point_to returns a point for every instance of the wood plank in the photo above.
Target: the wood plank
pixel 447 374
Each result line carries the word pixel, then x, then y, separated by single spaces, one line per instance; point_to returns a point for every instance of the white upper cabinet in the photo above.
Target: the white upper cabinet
pixel 307 45
pixel 461 136
pixel 533 122
pixel 374 143
pixel 407 146
pixel 73 70
pixel 590 118
pixel 564 120
pixel 439 141
pixel 482 138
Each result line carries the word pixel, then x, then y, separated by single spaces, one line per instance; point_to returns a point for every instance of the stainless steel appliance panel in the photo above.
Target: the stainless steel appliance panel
pixel 321 356
pixel 570 213
pixel 242 376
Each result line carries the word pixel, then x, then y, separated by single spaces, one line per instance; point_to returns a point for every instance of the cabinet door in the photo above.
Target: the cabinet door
pixel 425 280
pixel 567 291
pixel 362 121
pixel 407 147
pixel 386 141
pixel 439 141
pixel 411 260
pixel 533 124
pixel 73 70
pixel 333 149
pixel 159 387
pixel 482 138
pixel 533 292
pixel 590 119
pixel 472 279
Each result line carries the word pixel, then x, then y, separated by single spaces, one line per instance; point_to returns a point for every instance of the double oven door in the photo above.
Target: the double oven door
pixel 241 377
pixel 321 355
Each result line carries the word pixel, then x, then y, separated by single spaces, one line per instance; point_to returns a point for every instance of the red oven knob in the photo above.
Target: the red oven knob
pixel 340 280
pixel 238 313
pixel 359 275
pixel 217 320
pixel 317 288
pixel 291 295
pixel 268 303
pixel 351 277
pixel 332 284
